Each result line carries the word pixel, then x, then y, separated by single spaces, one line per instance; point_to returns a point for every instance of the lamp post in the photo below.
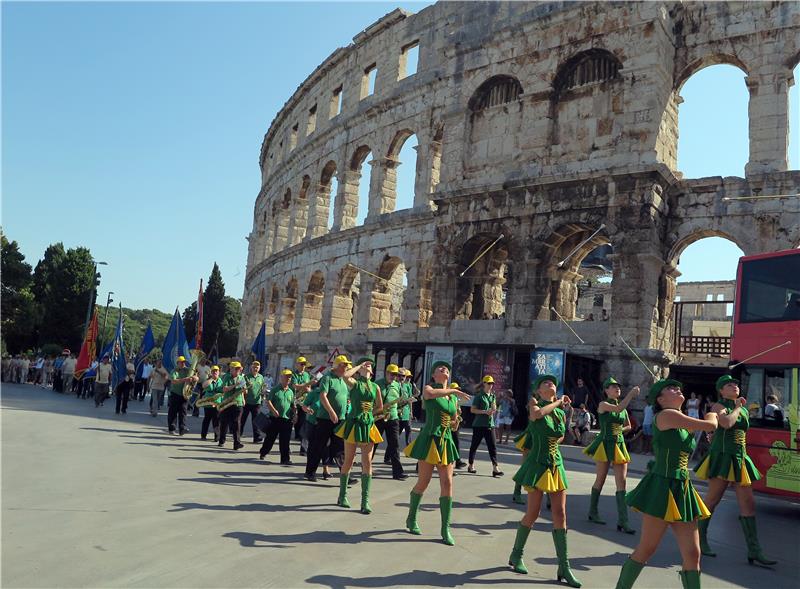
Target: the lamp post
pixel 109 300
pixel 92 294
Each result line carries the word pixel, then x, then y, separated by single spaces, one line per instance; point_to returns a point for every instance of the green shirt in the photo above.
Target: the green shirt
pixel 228 380
pixel 483 402
pixel 312 402
pixel 407 392
pixel 300 378
pixel 213 389
pixel 283 400
pixel 391 392
pixel 254 386
pixel 177 388
pixel 336 390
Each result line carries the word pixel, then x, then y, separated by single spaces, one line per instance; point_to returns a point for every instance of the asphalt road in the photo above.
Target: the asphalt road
pixel 91 499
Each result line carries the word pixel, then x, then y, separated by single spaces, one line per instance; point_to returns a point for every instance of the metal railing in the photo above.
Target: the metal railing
pixel 687 343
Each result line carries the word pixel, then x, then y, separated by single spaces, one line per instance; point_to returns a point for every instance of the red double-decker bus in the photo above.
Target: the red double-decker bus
pixel 766 338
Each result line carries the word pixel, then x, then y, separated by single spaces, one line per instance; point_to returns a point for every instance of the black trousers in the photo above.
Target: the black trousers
pixel 298 425
pixel 281 428
pixel 122 400
pixel 177 409
pixel 210 416
pixel 251 410
pixel 229 419
pixel 322 435
pixel 405 426
pixel 482 433
pixel 392 435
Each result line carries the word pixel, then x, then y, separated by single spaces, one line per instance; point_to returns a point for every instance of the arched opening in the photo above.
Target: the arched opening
pixel 482 292
pixel 272 309
pixel 288 306
pixel 387 294
pixel 495 91
pixel 261 304
pixel 312 303
pixel 352 207
pixel 494 117
pixel 400 173
pixel 580 273
pixel 701 288
pixel 794 121
pixel 713 120
pixel 345 298
pixel 321 208
pixel 282 222
pixel 299 219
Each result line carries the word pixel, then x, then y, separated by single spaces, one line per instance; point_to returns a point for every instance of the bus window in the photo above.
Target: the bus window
pixel 768 394
pixel 752 387
pixel 770 290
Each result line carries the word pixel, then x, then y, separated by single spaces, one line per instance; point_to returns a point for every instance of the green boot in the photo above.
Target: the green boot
pixel 594 516
pixel 515 560
pixel 629 573
pixel 446 508
pixel 517 496
pixel 366 483
pixel 413 509
pixel 564 572
pixel 622 514
pixel 754 552
pixel 342 501
pixel 690 579
pixel 702 527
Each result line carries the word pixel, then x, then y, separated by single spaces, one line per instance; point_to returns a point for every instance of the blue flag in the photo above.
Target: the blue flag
pixel 259 348
pixel 118 363
pixel 148 343
pixel 174 344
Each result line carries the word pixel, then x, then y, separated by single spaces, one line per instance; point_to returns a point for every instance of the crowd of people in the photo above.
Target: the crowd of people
pixel 344 410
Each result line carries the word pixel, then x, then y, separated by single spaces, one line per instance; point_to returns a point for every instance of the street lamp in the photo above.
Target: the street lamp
pixel 92 292
pixel 109 300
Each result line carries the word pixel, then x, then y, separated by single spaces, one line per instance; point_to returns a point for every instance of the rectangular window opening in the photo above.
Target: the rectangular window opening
pixel 312 120
pixel 336 102
pixel 409 60
pixel 368 81
pixel 293 137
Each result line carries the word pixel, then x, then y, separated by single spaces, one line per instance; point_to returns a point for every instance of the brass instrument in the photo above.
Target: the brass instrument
pixel 457 421
pixel 230 400
pixel 384 412
pixel 188 387
pixel 207 401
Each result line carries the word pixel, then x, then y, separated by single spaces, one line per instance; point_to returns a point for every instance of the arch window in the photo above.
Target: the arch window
pixel 312 303
pixel 589 67
pixel 494 92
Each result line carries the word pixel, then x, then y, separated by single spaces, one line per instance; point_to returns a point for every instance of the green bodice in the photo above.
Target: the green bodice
pixel 611 423
pixel 545 434
pixel 440 414
pixel 732 440
pixel 672 449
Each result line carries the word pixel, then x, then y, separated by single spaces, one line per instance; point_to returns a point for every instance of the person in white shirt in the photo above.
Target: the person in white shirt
pixel 147 370
pixel 67 373
pixel 102 381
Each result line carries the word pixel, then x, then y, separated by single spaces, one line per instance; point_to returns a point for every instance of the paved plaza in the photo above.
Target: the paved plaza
pixel 91 499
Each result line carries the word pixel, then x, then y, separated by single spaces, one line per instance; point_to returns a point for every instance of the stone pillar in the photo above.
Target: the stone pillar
pixel 635 290
pixel 298 221
pixel 768 112
pixel 345 208
pixel 383 187
pixel 319 198
pixel 309 313
pixel 429 161
pixel 287 315
pixel 564 292
pixel 266 241
pixel 417 304
pixel 364 310
pixel 281 235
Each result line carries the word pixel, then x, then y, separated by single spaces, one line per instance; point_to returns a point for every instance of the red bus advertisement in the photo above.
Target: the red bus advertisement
pixel 766 340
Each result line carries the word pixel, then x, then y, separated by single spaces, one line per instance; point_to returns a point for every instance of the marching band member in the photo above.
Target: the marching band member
pixel 727 463
pixel 434 446
pixel 609 448
pixel 252 401
pixel 543 472
pixel 407 401
pixel 281 403
pixel 358 430
pixel 179 377
pixel 484 407
pixel 230 408
pixel 390 426
pixel 301 384
pixel 665 495
pixel 212 393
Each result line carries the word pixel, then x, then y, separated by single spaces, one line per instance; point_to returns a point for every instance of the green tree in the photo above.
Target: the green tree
pixel 190 322
pixel 229 334
pixel 17 305
pixel 62 281
pixel 213 309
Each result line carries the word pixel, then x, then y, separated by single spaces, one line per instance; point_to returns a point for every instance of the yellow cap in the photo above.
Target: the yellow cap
pixel 407 371
pixel 301 360
pixel 286 372
pixel 181 359
pixel 235 364
pixel 341 359
pixel 392 369
pixel 454 385
pixel 255 363
pixel 488 378
pixel 215 367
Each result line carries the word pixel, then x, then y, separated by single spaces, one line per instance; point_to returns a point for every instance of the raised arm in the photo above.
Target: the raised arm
pixel 674 419
pixel 606 407
pixel 537 412
pixel 728 420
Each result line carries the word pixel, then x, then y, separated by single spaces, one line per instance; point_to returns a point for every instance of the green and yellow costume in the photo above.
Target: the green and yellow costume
pixel 609 445
pixel 359 427
pixel 434 444
pixel 727 458
pixel 543 468
pixel 666 492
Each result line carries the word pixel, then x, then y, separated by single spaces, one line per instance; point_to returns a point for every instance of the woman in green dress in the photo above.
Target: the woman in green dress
pixel 543 472
pixel 358 430
pixel 727 463
pixel 523 443
pixel 665 496
pixel 434 446
pixel 609 448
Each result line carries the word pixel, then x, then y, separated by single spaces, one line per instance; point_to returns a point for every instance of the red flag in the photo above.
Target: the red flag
pixel 88 348
pixel 198 337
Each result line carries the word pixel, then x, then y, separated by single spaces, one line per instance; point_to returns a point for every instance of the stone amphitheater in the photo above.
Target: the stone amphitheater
pixel 544 130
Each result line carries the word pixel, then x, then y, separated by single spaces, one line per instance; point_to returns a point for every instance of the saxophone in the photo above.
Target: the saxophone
pixel 188 387
pixel 230 401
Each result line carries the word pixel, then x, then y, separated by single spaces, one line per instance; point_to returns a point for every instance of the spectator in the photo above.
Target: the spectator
pixel 24 369
pixel 693 406
pixel 123 392
pixel 772 410
pixel 102 381
pixel 580 424
pixel 580 395
pixel 68 371
pixel 604 316
pixel 647 429
pixel 505 417
pixel 147 370
pixel 590 317
pixel 158 383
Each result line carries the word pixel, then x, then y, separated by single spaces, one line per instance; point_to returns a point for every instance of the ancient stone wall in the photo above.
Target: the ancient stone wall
pixel 539 125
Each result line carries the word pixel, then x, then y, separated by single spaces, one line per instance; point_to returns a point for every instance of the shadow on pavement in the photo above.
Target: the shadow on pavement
pixel 258 540
pixel 258 507
pixel 418 578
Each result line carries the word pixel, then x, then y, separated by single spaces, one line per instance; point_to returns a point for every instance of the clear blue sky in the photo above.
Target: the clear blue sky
pixel 135 128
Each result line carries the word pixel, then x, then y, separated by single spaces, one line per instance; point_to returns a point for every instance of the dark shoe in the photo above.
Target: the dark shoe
pixel 460 464
pixel 203 437
pixel 497 473
pixel 261 455
pixel 117 412
pixel 400 477
pixel 257 440
pixel 287 463
pixel 312 478
pixel 237 446
pixel 221 444
pixel 326 476
pixel 471 469
pixel 302 452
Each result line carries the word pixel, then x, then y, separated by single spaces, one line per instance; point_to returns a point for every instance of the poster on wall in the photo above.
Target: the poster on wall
pixel 467 369
pixel 548 361
pixel 496 364
pixel 434 354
